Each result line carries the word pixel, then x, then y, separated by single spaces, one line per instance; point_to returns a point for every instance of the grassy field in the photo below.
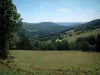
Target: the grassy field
pixel 74 37
pixel 54 63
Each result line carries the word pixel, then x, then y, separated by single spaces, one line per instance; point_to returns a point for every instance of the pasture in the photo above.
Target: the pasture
pixel 85 34
pixel 53 63
pixel 57 59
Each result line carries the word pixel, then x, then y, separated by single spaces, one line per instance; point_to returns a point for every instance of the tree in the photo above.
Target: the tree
pixel 93 47
pixel 83 45
pixel 91 39
pixel 98 43
pixel 9 23
pixel 73 46
pixel 24 44
pixel 62 45
pixel 13 41
pixel 79 39
pixel 37 45
pixel 51 46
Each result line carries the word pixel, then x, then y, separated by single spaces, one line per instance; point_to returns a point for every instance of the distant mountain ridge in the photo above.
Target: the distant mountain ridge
pixel 50 29
pixel 41 29
pixel 89 25
pixel 42 25
pixel 69 23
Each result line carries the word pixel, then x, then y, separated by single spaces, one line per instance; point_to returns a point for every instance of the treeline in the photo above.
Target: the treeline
pixel 54 45
pixel 90 43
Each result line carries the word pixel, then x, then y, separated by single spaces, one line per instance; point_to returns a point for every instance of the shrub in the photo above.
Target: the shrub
pixel 83 45
pixel 93 47
pixel 73 46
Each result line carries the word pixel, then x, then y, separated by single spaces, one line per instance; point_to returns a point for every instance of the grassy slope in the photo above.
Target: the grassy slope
pixel 51 63
pixel 57 59
pixel 74 37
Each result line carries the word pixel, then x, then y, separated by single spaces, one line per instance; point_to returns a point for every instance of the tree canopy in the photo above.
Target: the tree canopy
pixel 10 21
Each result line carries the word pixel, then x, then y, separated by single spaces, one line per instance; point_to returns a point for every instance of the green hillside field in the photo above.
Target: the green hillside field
pixel 51 63
pixel 85 34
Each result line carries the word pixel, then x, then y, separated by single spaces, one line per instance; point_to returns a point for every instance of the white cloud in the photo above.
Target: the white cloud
pixel 64 9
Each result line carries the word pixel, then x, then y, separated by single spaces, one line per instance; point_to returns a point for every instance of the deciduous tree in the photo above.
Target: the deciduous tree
pixel 9 23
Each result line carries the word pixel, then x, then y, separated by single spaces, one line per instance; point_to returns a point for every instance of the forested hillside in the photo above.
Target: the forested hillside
pixel 41 29
pixel 51 36
pixel 89 25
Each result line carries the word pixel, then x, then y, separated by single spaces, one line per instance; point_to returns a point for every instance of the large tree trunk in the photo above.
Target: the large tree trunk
pixel 4 47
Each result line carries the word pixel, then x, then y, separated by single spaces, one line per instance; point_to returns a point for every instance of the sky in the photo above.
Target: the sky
pixel 34 11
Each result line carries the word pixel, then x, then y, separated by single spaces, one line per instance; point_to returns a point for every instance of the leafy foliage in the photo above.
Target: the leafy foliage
pixel 98 43
pixel 10 21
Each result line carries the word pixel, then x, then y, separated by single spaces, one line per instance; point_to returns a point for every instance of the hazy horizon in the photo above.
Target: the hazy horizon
pixel 55 22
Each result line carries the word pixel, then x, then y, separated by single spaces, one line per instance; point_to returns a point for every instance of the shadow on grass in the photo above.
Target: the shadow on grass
pixel 11 57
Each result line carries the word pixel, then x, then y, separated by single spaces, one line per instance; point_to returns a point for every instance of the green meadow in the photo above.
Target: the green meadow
pixel 57 59
pixel 85 34
pixel 51 63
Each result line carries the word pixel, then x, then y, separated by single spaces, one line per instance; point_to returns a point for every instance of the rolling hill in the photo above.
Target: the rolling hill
pixel 41 29
pixel 49 28
pixel 89 25
pixel 84 30
pixel 69 23
pixel 85 34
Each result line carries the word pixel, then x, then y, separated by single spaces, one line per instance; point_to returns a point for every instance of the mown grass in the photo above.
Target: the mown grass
pixel 51 63
pixel 85 34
